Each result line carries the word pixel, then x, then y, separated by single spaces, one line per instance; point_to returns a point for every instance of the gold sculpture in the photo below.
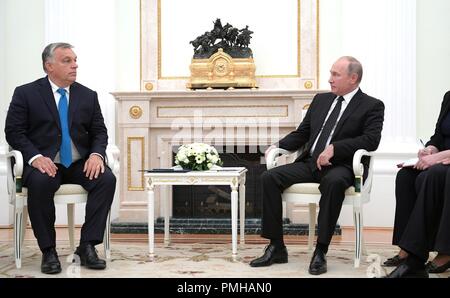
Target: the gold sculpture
pixel 224 64
pixel 222 71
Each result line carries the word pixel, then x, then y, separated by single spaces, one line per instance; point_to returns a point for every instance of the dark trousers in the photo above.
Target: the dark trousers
pixel 428 227
pixel 41 207
pixel 334 180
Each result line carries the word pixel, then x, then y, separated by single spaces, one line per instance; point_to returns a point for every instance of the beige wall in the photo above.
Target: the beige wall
pixel 433 62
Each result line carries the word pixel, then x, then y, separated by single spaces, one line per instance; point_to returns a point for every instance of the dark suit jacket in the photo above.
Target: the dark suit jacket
pixel 437 140
pixel 33 126
pixel 358 128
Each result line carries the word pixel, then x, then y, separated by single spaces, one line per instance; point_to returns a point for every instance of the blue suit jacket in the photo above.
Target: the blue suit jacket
pixel 33 126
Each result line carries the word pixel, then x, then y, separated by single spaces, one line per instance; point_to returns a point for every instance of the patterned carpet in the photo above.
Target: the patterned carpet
pixel 196 260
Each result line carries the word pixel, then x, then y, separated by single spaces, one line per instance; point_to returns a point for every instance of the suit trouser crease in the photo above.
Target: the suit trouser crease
pixel 41 207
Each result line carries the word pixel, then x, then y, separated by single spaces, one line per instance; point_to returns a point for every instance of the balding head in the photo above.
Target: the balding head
pixel 354 67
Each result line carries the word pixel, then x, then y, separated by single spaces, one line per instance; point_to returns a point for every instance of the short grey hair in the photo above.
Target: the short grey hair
pixel 354 66
pixel 49 51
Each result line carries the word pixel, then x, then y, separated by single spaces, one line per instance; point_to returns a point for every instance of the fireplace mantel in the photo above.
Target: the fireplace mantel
pixel 150 124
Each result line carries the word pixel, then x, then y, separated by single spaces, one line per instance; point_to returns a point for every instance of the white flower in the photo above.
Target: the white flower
pixel 199 159
pixel 197 156
pixel 214 159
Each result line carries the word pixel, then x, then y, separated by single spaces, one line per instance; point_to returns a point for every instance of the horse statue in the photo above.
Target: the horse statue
pixel 243 39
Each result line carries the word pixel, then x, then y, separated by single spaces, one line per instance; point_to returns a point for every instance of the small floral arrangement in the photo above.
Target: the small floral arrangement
pixel 197 157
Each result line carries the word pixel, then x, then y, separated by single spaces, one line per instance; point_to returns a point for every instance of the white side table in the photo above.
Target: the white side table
pixel 234 177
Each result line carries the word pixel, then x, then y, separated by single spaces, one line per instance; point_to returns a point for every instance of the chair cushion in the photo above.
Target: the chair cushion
pixel 312 188
pixel 64 189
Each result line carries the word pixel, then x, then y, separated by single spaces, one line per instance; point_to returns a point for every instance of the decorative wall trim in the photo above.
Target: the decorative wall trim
pixel 283 113
pixel 304 49
pixel 299 27
pixel 129 141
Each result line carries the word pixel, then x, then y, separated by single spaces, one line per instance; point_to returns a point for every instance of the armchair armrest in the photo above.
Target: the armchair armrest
pixel 18 161
pixel 272 157
pixel 14 172
pixel 112 159
pixel 358 170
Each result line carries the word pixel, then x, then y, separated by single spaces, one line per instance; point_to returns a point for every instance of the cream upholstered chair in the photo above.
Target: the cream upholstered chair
pixel 69 194
pixel 308 193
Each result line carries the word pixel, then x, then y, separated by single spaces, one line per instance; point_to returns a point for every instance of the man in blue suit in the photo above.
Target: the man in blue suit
pixel 57 125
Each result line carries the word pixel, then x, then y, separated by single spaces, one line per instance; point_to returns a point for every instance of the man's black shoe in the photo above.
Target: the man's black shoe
pixel 318 263
pixel 271 255
pixel 406 271
pixel 50 262
pixel 394 261
pixel 89 258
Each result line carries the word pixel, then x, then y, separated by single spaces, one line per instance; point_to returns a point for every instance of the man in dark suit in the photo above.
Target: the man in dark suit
pixel 335 126
pixel 58 127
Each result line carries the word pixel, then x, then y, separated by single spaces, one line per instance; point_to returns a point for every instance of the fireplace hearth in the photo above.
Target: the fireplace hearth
pixel 215 201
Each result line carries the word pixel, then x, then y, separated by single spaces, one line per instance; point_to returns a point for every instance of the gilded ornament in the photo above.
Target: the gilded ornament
pixel 135 112
pixel 149 86
pixel 308 85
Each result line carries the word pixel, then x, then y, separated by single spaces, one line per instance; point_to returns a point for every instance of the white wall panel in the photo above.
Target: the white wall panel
pixel 274 42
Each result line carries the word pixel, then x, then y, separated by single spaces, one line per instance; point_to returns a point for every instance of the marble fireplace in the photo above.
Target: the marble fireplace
pixel 151 125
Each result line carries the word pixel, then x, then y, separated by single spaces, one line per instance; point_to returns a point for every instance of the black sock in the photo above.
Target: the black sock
pixel 278 243
pixel 322 247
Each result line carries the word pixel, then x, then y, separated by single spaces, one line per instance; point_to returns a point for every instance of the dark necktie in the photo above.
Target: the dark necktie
pixel 65 152
pixel 327 128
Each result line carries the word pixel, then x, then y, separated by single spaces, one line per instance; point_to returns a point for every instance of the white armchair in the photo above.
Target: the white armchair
pixel 69 194
pixel 308 193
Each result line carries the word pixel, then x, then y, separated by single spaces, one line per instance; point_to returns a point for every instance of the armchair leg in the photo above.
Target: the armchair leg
pixel 106 237
pixel 18 231
pixel 312 225
pixel 24 225
pixel 71 225
pixel 242 213
pixel 357 217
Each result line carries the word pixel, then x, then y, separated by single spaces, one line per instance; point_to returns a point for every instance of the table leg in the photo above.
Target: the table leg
pixel 242 212
pixel 234 207
pixel 166 219
pixel 151 222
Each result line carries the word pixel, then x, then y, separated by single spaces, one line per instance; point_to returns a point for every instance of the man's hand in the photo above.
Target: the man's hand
pixel 268 150
pixel 94 166
pixel 45 165
pixel 324 157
